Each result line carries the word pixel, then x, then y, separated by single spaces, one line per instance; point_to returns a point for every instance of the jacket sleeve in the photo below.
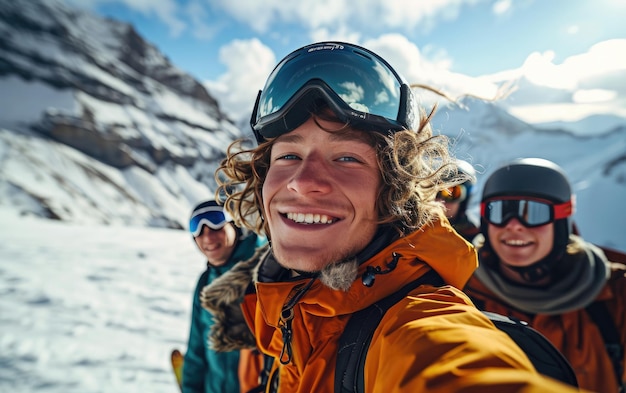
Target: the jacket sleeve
pixel 441 343
pixel 195 365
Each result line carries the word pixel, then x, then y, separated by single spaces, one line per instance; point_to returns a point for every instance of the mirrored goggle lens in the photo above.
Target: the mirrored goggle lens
pixel 212 216
pixel 352 77
pixel 530 213
pixel 452 194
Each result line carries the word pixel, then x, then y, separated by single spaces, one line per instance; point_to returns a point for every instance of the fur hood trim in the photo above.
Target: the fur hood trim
pixel 223 297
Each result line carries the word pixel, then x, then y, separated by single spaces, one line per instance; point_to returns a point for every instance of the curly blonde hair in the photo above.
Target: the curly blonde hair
pixel 413 165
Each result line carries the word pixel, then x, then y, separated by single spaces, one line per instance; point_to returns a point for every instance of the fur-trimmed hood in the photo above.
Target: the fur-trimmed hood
pixel 222 298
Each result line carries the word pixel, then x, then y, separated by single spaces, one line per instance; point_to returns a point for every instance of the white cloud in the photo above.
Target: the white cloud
pixel 376 15
pixel 165 10
pixel 540 69
pixel 593 95
pixel 501 7
pixel 408 60
pixel 197 15
pixel 603 58
pixel 574 29
pixel 339 34
pixel 248 64
pixel 565 112
pixel 411 14
pixel 588 83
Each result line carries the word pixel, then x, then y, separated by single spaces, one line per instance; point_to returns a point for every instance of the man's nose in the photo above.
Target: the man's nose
pixel 312 175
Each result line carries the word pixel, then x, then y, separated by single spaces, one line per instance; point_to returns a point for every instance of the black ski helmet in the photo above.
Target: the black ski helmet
pixel 536 178
pixel 533 177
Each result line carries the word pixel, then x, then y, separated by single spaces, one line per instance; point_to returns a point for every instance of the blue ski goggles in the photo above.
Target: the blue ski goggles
pixel 529 212
pixel 212 216
pixel 359 86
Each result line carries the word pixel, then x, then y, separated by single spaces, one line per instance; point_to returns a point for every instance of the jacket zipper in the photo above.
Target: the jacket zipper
pixel 286 318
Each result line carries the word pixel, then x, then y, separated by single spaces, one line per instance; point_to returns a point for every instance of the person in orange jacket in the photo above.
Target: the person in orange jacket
pixel 343 182
pixel 534 269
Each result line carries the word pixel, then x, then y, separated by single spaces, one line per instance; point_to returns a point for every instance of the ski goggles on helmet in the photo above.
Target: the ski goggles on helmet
pixel 453 194
pixel 359 86
pixel 212 216
pixel 529 212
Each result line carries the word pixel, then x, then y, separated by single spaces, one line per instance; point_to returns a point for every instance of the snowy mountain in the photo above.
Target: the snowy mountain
pixel 98 127
pixel 487 137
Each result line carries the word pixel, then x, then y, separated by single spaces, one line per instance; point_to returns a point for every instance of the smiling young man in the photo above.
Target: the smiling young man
pixel 214 367
pixel 343 182
pixel 310 165
pixel 533 268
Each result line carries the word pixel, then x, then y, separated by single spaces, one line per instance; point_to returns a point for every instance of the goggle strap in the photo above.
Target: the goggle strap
pixel 406 98
pixel 563 210
pixel 207 209
pixel 257 134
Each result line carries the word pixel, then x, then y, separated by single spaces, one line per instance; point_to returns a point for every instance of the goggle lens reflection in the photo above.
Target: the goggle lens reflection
pixel 529 212
pixel 452 194
pixel 212 216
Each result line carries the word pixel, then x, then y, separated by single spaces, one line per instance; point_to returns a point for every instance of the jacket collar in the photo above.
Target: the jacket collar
pixel 436 246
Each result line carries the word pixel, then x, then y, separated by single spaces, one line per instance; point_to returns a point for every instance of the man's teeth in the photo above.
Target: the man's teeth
pixel 516 242
pixel 310 218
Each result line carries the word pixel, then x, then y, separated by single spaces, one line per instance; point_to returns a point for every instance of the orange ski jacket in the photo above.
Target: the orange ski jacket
pixel 574 333
pixel 433 340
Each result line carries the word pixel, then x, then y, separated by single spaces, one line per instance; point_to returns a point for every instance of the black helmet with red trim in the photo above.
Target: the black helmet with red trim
pixel 532 177
pixel 539 179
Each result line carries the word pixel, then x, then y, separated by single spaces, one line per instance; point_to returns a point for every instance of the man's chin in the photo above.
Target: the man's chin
pixel 309 261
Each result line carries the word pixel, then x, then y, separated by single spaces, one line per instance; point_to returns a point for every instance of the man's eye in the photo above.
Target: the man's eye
pixel 348 159
pixel 287 157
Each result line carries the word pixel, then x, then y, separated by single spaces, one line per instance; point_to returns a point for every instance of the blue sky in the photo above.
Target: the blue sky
pixel 233 44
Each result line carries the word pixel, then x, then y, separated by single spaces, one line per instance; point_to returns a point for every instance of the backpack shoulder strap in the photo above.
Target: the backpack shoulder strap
pixel 544 356
pixel 600 315
pixel 356 338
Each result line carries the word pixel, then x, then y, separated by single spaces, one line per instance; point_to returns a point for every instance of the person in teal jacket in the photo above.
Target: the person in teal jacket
pixel 205 369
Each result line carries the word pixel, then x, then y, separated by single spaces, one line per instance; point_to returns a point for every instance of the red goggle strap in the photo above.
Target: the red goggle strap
pixel 563 210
